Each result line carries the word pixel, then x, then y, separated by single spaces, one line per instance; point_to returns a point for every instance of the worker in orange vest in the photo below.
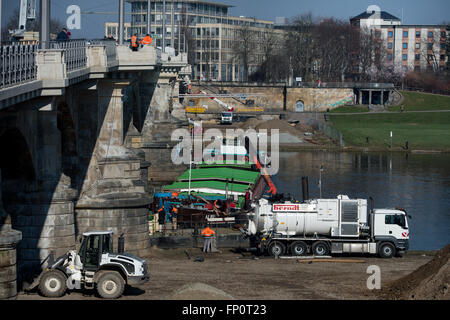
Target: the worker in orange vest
pixel 174 218
pixel 134 42
pixel 207 234
pixel 147 40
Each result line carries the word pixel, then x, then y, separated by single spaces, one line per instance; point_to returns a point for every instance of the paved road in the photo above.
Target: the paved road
pixel 382 112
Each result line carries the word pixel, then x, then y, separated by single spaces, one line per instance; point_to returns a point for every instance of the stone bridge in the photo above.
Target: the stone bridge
pixel 79 125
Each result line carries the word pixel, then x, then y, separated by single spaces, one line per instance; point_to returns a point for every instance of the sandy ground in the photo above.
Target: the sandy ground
pixel 229 275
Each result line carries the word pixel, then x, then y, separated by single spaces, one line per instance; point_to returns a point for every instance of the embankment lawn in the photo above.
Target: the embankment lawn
pixel 425 130
pixel 417 101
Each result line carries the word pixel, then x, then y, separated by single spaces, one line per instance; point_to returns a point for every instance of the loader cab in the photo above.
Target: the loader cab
pixel 93 245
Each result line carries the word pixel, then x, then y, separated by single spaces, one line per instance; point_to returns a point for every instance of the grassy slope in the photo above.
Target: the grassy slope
pixel 349 109
pixel 417 101
pixel 422 130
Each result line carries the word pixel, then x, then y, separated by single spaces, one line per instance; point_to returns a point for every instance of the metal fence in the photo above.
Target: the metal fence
pixel 17 64
pixel 332 133
pixel 74 53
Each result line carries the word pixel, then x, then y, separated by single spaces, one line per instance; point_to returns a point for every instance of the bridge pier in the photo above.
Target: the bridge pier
pixel 163 117
pixel 113 196
pixel 72 160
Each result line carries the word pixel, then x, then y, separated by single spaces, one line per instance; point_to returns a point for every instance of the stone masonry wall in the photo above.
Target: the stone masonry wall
pixel 272 98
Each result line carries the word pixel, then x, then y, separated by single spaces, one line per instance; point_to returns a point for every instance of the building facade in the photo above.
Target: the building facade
pixel 204 30
pixel 406 47
pixel 111 30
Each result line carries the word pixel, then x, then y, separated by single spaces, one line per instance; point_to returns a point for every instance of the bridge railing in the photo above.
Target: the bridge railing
pixel 74 53
pixel 17 64
pixel 110 46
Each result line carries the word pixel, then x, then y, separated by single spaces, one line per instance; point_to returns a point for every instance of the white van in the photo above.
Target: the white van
pixel 227 117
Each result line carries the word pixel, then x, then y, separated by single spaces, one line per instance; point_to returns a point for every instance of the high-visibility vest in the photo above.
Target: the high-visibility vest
pixel 134 41
pixel 146 40
pixel 208 232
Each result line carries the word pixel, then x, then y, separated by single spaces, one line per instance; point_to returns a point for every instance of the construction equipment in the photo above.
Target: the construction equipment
pixel 94 266
pixel 27 14
pixel 226 117
pixel 256 159
pixel 328 226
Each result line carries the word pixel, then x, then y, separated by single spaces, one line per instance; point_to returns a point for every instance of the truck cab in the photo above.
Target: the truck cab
pixel 391 226
pixel 226 117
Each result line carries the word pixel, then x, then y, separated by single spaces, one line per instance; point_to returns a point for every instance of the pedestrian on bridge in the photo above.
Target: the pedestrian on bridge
pixel 62 36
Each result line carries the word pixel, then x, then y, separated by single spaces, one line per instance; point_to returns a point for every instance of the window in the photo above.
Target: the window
pixel 389 56
pixel 417 56
pixel 405 34
pixel 405 68
pixel 430 46
pixel 377 34
pixel 418 45
pixel 390 34
pixel 405 45
pixel 417 34
pixel 405 57
pixel 397 219
pixel 389 45
pixel 443 34
pixel 442 57
pixel 430 34
pixel 443 46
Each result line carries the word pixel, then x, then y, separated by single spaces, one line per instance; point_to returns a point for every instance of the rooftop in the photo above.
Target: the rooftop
pixel 189 1
pixel 373 15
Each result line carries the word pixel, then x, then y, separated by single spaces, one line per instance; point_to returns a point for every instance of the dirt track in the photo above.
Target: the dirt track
pixel 265 278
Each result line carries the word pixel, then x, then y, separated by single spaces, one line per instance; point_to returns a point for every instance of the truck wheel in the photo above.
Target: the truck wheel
pixel 299 248
pixel 320 248
pixel 110 285
pixel 53 284
pixel 386 250
pixel 276 248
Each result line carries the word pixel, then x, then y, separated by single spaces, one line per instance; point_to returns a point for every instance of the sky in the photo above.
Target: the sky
pixel 413 11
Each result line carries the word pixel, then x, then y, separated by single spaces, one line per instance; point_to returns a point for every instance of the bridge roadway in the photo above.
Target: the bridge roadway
pixel 73 122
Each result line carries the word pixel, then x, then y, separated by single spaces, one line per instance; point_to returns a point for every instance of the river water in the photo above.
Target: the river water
pixel 420 183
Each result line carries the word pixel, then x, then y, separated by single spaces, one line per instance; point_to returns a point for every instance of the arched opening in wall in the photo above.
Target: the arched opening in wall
pixel 68 143
pixel 299 106
pixel 17 174
pixel 18 182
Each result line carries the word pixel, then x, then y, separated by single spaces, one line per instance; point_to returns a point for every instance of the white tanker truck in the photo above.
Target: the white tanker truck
pixel 327 226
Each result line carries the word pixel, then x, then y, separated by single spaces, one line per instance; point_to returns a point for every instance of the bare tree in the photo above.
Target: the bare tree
pixel 271 61
pixel 300 47
pixel 243 48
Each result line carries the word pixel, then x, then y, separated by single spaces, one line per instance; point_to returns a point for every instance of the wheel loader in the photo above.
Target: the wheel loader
pixel 95 266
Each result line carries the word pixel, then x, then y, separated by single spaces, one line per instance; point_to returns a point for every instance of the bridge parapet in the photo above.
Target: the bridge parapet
pixel 147 58
pixel 27 72
pixel 17 64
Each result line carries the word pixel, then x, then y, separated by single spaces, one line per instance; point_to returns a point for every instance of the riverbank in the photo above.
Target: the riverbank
pixel 410 131
pixel 235 275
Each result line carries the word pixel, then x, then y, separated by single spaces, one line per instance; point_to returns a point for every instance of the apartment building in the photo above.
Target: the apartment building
pixel 409 47
pixel 205 30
